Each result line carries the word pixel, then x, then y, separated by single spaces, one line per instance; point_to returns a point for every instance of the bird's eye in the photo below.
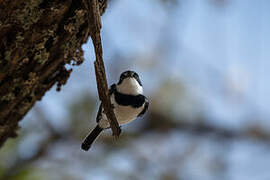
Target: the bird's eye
pixel 136 75
pixel 123 76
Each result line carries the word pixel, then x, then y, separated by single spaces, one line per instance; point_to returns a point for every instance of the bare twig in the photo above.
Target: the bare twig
pixel 102 86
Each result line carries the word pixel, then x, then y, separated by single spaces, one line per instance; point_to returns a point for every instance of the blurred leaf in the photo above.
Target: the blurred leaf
pixel 26 174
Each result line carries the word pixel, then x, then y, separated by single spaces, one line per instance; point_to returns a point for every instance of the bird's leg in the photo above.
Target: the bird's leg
pixel 116 137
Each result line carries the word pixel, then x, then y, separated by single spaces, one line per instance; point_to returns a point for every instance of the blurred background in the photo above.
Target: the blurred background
pixel 204 65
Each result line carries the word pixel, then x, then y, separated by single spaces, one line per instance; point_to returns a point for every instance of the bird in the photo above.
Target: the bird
pixel 128 103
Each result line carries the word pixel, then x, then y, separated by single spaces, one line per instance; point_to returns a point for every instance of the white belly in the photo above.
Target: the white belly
pixel 124 114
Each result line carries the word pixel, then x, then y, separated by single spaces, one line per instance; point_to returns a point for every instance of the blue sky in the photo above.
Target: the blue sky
pixel 221 53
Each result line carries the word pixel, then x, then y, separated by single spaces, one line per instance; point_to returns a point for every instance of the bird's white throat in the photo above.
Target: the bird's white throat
pixel 130 86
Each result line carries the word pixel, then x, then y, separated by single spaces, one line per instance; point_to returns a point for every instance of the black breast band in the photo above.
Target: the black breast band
pixel 135 101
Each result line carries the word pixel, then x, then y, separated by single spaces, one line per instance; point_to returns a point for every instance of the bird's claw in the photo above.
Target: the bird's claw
pixel 119 132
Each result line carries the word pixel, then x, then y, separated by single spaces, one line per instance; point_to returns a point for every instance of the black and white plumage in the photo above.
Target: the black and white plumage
pixel 128 102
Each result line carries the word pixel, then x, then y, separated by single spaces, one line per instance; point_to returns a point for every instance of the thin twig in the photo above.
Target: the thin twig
pixel 102 85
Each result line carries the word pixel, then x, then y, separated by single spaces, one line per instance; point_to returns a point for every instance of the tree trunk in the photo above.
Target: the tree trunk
pixel 37 39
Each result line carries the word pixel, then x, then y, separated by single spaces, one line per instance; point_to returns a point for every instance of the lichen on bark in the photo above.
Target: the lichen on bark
pixel 38 38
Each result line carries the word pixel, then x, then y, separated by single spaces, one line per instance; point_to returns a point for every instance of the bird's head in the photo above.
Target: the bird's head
pixel 130 83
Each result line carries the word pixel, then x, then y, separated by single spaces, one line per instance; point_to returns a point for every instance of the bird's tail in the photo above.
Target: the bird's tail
pixel 90 138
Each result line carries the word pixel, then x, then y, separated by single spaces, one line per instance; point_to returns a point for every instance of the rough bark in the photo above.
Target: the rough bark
pixel 37 39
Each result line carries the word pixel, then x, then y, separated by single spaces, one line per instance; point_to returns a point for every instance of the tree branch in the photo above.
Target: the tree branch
pixel 102 84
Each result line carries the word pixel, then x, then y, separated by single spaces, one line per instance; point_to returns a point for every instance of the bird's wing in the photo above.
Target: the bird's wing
pixel 145 108
pixel 111 91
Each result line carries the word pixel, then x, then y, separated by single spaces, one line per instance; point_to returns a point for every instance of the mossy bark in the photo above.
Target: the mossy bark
pixel 37 39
